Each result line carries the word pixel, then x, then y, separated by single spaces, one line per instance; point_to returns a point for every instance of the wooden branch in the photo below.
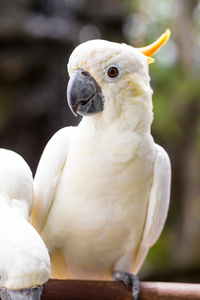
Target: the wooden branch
pixel 109 290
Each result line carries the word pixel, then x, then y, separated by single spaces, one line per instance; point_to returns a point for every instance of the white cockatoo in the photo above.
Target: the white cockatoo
pixel 102 188
pixel 24 260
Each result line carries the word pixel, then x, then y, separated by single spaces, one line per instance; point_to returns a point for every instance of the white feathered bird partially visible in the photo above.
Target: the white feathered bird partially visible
pixel 24 260
pixel 102 188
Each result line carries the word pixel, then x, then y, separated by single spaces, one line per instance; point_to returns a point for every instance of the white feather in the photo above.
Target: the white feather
pixel 46 179
pixel 16 186
pixel 24 260
pixel 158 206
pixel 159 198
pixel 101 191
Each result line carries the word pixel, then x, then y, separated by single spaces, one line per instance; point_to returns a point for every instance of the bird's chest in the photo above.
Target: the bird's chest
pixel 103 191
pixel 98 168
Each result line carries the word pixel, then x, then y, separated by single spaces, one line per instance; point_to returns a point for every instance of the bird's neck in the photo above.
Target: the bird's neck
pixel 135 115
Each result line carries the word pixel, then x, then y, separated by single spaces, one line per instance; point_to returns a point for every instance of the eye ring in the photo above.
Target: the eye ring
pixel 112 72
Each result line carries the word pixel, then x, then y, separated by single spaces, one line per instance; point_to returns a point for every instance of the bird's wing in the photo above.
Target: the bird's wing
pixel 47 175
pixel 157 207
pixel 24 259
pixel 16 182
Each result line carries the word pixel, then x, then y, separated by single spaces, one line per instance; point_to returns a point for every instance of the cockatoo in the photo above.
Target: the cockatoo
pixel 24 260
pixel 102 188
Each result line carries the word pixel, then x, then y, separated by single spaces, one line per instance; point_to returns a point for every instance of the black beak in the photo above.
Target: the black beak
pixel 84 95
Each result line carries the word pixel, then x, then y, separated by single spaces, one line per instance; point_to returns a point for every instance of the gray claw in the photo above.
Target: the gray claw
pixel 22 294
pixel 129 280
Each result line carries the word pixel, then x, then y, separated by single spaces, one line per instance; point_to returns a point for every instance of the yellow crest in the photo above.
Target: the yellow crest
pixel 154 47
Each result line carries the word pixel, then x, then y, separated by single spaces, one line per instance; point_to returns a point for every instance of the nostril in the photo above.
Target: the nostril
pixel 84 73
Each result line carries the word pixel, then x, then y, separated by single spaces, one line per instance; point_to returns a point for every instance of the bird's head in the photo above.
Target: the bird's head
pixel 111 79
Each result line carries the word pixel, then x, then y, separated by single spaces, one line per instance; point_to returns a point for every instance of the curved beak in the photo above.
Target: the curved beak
pixel 84 95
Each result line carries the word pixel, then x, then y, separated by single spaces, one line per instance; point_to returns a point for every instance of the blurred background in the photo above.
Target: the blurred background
pixel 36 39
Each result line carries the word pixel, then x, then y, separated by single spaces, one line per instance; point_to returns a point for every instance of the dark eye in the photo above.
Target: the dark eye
pixel 112 72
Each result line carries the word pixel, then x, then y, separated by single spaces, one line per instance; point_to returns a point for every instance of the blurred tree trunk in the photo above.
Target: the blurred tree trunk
pixel 188 238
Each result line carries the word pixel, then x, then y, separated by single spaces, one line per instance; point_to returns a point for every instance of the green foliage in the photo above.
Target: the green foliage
pixel 173 95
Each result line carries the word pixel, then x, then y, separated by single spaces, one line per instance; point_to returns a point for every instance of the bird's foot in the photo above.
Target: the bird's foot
pixel 23 294
pixel 130 280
